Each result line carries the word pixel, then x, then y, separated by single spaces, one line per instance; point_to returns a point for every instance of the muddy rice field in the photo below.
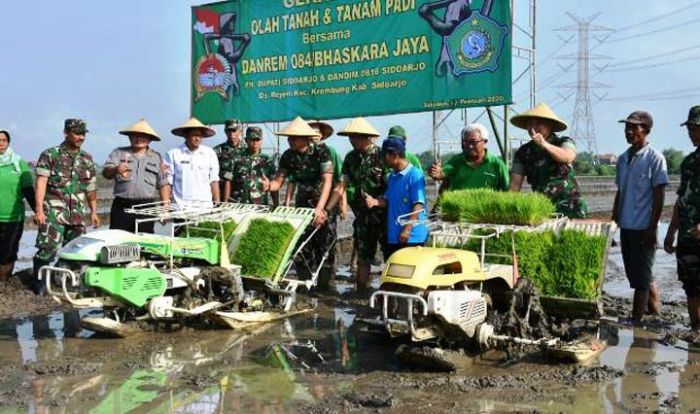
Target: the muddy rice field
pixel 324 362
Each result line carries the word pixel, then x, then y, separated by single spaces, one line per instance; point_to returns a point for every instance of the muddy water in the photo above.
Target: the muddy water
pixel 324 362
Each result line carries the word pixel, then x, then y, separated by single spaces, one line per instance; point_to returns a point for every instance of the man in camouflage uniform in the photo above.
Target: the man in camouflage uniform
pixel 547 161
pixel 66 176
pixel 311 168
pixel 243 183
pixel 364 171
pixel 229 151
pixel 686 217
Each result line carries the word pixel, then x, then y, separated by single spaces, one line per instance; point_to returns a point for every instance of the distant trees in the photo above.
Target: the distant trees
pixel 674 158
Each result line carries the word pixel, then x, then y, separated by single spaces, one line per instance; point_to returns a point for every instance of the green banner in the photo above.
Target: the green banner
pixel 272 60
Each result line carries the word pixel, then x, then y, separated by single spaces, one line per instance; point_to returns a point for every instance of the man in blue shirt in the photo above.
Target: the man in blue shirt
pixel 404 196
pixel 640 177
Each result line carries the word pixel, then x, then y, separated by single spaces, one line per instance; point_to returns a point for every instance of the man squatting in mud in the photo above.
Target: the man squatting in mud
pixel 686 218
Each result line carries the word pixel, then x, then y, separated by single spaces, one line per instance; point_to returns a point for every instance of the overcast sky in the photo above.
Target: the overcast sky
pixel 113 62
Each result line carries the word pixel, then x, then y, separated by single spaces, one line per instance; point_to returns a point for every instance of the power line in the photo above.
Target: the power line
pixel 672 52
pixel 654 65
pixel 657 18
pixel 663 29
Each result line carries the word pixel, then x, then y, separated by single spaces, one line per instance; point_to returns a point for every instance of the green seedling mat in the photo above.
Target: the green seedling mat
pixel 299 218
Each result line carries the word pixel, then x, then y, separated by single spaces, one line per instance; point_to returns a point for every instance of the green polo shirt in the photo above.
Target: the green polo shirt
pixel 11 184
pixel 492 173
pixel 413 160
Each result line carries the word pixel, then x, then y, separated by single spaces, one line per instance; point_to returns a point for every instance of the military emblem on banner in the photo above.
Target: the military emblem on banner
pixel 476 44
pixel 223 48
pixel 212 74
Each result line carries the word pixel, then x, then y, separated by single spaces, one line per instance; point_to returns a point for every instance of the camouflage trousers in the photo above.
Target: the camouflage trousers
pixel 369 231
pixel 688 262
pixel 52 236
pixel 311 256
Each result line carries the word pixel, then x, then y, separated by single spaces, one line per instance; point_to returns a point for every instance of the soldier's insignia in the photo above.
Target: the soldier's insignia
pixel 476 45
pixel 213 74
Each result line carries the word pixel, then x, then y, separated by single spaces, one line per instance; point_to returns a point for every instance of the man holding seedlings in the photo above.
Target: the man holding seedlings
pixel 363 172
pixel 686 217
pixel 138 177
pixel 192 168
pixel 65 178
pixel 242 179
pixel 641 179
pixel 475 167
pixel 228 152
pixel 546 161
pixel 309 165
pixel 404 199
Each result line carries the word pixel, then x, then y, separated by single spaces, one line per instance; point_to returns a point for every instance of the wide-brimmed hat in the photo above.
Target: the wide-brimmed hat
pixel 141 127
pixel 193 123
pixel 359 126
pixel 298 128
pixel 540 111
pixel 325 129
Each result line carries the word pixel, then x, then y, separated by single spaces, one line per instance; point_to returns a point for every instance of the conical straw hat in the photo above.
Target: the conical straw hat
pixel 298 128
pixel 141 127
pixel 325 129
pixel 193 123
pixel 359 126
pixel 541 111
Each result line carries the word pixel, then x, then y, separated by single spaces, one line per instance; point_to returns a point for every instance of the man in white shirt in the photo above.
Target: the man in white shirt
pixel 192 169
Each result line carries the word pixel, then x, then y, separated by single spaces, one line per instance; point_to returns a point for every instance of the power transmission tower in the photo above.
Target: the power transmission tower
pixel 583 126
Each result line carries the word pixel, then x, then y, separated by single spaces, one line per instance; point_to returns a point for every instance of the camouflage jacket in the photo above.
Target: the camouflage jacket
pixel 227 155
pixel 70 176
pixel 365 173
pixel 556 180
pixel 245 174
pixel 307 170
pixel 689 198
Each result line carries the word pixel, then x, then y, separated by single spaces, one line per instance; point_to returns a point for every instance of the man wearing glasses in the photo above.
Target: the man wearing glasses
pixel 475 167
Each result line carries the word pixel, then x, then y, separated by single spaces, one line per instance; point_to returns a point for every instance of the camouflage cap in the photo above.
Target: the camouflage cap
pixel 693 116
pixel 253 133
pixel 397 131
pixel 232 124
pixel 639 118
pixel 75 125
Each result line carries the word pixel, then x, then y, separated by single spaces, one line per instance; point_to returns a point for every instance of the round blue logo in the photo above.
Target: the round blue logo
pixel 475 44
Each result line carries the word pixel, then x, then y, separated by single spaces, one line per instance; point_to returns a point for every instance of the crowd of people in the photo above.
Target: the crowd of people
pixel 379 182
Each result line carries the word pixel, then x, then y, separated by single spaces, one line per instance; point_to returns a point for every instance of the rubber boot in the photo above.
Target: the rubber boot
pixel 38 286
pixel 6 271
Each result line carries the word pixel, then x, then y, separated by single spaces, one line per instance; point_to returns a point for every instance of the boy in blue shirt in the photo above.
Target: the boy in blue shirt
pixel 405 194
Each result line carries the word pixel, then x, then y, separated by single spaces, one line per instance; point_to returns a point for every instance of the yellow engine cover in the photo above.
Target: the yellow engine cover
pixel 423 267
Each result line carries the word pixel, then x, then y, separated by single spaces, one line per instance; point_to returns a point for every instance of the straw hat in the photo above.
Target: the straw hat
pixel 359 126
pixel 141 127
pixel 193 123
pixel 325 129
pixel 298 128
pixel 541 111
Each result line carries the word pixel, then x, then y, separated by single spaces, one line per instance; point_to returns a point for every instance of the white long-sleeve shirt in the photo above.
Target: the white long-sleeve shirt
pixel 191 173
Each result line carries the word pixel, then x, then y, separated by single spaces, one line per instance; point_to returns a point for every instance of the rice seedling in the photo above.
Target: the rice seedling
pixel 262 247
pixel 212 230
pixel 495 207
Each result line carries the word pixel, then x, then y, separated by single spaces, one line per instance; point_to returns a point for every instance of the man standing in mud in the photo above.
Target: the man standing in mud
pixel 229 152
pixel 686 217
pixel 641 179
pixel 65 177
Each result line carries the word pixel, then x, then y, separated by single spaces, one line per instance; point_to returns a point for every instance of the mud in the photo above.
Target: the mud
pixel 17 298
pixel 326 362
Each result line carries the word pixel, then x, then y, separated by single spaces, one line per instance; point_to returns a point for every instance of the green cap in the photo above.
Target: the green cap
pixel 253 132
pixel 693 116
pixel 75 125
pixel 397 131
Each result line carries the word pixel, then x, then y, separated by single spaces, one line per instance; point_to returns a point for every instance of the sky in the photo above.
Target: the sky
pixel 113 62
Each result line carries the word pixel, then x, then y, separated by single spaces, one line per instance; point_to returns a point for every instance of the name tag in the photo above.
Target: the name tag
pixel 185 162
